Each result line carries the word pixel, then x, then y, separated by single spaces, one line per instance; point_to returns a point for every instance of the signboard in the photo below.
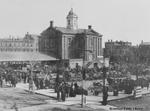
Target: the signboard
pixel 138 92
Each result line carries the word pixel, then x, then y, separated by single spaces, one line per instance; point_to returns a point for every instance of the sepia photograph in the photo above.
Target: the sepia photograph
pixel 74 55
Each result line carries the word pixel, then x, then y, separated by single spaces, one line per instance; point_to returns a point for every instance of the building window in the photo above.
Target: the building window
pixel 51 43
pixel 91 41
pixel 69 41
pixel 45 43
pixel 68 22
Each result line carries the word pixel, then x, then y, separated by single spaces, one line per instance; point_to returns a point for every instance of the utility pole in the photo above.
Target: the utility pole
pixel 83 75
pixel 105 89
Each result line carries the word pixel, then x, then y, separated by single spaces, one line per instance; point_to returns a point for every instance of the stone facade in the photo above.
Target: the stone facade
pixel 27 44
pixel 64 43
pixel 70 42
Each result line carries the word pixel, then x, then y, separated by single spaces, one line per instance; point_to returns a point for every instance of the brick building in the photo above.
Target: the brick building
pixel 70 42
pixel 144 52
pixel 119 51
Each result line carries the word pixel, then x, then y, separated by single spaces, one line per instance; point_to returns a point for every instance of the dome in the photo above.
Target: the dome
pixel 71 14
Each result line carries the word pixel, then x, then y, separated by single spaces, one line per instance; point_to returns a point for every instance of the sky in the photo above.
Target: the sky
pixel 126 20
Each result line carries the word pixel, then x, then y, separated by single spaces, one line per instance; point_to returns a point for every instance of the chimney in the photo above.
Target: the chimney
pixel 142 42
pixel 51 24
pixel 89 27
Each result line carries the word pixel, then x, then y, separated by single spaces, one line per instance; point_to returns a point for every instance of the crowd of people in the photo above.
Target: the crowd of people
pixel 9 77
pixel 64 90
pixel 118 77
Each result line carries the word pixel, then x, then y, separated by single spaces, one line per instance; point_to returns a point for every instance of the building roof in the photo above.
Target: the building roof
pixel 25 56
pixel 145 43
pixel 30 36
pixel 78 31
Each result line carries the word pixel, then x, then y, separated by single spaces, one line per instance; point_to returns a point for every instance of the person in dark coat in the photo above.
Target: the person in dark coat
pixel 63 93
pixel 67 89
pixel 105 95
pixel 116 90
pixel 47 83
pixel 72 91
pixel 76 88
pixel 24 77
pixel 41 83
pixel 57 86
pixel 14 81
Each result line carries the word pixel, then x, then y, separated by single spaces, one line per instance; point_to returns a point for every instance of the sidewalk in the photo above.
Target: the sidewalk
pixel 91 101
pixel 77 99
pixel 45 92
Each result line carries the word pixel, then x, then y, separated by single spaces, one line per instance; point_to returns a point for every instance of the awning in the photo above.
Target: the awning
pixel 25 56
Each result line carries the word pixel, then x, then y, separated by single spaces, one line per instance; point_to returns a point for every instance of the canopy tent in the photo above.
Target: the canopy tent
pixel 25 56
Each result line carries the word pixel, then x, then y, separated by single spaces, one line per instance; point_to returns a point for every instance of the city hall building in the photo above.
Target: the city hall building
pixel 68 44
pixel 71 42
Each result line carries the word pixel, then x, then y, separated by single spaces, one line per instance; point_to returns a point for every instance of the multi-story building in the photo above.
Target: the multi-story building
pixel 63 43
pixel 118 51
pixel 71 42
pixel 144 52
pixel 27 44
pixel 22 51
